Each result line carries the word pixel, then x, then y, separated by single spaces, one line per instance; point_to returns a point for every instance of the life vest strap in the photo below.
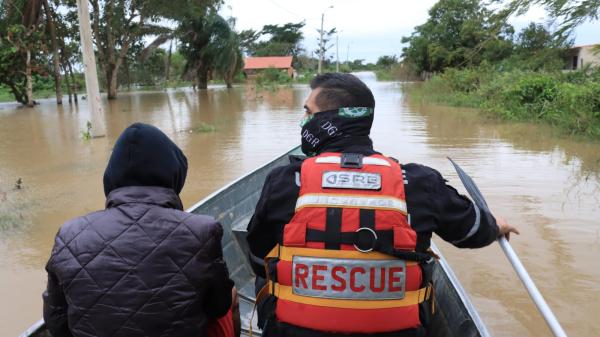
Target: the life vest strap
pixel 384 242
pixel 410 298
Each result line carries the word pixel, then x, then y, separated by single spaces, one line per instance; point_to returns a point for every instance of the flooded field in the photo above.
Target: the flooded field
pixel 549 187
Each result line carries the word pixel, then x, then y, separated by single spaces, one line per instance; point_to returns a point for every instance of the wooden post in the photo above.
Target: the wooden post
pixel 91 77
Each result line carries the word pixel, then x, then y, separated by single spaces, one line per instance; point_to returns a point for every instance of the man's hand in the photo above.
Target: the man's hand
pixel 504 228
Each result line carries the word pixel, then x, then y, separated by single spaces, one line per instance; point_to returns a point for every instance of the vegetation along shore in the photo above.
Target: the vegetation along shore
pixel 480 61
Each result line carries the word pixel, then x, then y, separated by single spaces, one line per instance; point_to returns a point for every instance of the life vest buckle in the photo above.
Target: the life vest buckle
pixel 359 241
pixel 351 160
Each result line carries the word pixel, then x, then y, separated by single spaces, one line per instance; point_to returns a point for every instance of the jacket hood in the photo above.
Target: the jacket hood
pixel 144 156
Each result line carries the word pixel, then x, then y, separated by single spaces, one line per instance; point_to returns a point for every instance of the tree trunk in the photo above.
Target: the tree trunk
pixel 55 56
pixel 30 101
pixel 229 79
pixel 231 71
pixel 64 64
pixel 168 65
pixel 73 80
pixel 68 83
pixel 127 74
pixel 202 78
pixel 111 81
pixel 20 96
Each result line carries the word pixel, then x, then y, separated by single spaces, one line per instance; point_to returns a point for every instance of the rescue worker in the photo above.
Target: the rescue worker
pixel 142 266
pixel 345 233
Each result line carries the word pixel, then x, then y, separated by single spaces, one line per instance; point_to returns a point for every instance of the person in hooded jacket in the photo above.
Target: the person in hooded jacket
pixel 326 225
pixel 142 266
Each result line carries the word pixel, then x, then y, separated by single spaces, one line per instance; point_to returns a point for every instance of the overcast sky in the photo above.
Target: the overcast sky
pixel 367 29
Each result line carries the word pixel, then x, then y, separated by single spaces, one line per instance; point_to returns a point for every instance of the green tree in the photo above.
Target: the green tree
pixel 457 34
pixel 248 40
pixel 537 48
pixel 22 47
pixel 386 61
pixel 12 67
pixel 210 45
pixel 52 38
pixel 282 40
pixel 67 31
pixel 118 24
pixel 151 70
pixel 226 52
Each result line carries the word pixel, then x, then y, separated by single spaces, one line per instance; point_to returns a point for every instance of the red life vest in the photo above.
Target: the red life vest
pixel 329 272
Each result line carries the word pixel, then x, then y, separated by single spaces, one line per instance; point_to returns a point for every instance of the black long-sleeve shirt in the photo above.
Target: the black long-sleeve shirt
pixel 433 207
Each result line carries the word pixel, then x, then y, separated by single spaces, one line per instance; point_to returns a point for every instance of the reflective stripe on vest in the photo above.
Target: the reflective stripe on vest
pixel 351 201
pixel 337 288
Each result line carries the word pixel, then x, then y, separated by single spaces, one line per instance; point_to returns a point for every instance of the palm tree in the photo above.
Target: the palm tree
pixel 210 45
pixel 223 51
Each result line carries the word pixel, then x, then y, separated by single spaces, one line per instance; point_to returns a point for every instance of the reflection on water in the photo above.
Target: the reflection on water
pixel 546 185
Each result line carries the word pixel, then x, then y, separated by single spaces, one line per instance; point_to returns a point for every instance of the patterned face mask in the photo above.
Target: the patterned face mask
pixel 324 127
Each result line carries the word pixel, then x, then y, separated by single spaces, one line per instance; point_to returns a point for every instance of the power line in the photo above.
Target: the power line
pixel 285 9
pixel 293 13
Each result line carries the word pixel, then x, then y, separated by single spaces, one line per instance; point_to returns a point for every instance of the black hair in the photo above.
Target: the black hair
pixel 339 90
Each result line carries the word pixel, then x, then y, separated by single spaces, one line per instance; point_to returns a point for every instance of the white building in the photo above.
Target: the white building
pixel 581 56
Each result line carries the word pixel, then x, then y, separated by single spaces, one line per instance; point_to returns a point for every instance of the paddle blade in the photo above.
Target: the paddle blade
pixel 470 186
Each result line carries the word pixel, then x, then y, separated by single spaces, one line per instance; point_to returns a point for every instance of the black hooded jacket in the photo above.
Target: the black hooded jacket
pixel 142 266
pixel 434 207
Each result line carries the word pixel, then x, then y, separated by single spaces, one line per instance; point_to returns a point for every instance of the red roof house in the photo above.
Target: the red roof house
pixel 254 64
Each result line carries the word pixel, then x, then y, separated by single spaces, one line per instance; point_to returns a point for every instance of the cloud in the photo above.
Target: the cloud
pixel 370 28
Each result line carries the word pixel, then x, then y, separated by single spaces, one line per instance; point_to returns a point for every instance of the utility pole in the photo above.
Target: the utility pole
pixel 321 47
pixel 337 53
pixel 89 64
pixel 348 53
pixel 322 42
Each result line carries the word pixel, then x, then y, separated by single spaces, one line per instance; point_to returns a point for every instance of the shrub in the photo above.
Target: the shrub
pixel 570 100
pixel 272 76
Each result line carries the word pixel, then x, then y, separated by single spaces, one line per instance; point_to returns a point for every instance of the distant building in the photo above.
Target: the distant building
pixel 581 56
pixel 253 65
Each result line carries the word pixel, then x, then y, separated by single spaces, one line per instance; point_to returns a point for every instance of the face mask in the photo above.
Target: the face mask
pixel 323 127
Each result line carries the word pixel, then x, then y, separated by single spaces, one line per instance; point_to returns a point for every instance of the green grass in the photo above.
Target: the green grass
pixel 7 96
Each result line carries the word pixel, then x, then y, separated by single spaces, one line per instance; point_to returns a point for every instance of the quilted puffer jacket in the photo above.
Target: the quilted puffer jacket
pixel 141 267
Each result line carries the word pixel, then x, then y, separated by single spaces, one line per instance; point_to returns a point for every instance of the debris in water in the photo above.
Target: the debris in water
pixel 204 127
pixel 18 184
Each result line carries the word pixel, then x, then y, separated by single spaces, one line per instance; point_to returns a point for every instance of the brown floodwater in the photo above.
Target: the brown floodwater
pixel 546 185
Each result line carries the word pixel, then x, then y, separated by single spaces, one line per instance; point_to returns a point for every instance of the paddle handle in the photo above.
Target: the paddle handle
pixel 535 294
